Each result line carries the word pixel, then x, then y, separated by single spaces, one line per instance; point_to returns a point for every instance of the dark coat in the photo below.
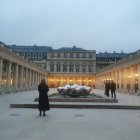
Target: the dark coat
pixel 113 87
pixel 43 97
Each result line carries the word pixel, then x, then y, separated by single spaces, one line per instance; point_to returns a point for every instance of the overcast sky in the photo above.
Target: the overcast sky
pixel 101 25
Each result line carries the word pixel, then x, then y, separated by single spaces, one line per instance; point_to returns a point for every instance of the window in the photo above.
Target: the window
pixel 77 55
pixel 84 67
pixel 58 67
pixel 28 55
pixel 77 67
pixel 34 55
pixel 58 55
pixel 90 55
pixel 90 68
pixel 71 67
pixel 52 55
pixel 45 56
pixel 65 55
pixel 71 55
pixel 51 67
pixel 44 66
pixel 84 55
pixel 65 67
pixel 40 55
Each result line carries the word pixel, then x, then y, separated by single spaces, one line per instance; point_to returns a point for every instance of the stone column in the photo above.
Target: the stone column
pixel 54 67
pixel 120 80
pixel 48 66
pixel 94 69
pixel 9 77
pixel 30 79
pixel 132 90
pixel 74 68
pixel 125 80
pixel 33 79
pixel 26 79
pixel 36 79
pixel 16 78
pixel 138 93
pixel 1 65
pixel 21 80
pixel 68 67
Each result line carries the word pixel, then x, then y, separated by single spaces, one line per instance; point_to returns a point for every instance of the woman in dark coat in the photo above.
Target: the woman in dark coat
pixel 43 97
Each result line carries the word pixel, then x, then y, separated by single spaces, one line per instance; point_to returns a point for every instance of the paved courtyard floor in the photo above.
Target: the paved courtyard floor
pixel 68 124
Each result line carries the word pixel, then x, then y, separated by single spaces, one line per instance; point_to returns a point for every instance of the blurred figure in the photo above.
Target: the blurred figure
pixel 113 89
pixel 107 87
pixel 43 97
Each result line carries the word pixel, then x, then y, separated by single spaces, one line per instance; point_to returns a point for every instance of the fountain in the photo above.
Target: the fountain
pixel 74 90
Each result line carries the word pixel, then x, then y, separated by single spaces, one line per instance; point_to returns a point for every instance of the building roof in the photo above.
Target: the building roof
pixel 111 55
pixel 74 48
pixel 30 49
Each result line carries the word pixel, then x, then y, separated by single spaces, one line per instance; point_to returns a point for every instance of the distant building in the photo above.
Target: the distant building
pixel 105 59
pixel 68 65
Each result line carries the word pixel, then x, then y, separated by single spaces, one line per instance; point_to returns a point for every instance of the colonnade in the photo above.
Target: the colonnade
pixel 17 74
pixel 61 80
pixel 126 75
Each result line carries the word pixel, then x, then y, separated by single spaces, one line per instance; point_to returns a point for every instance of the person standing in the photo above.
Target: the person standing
pixel 113 89
pixel 107 87
pixel 43 97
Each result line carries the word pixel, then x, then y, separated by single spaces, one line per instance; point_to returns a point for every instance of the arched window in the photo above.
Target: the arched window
pixel 84 67
pixel 40 55
pixel 34 55
pixel 64 67
pixel 58 67
pixel 51 67
pixel 71 67
pixel 90 67
pixel 77 67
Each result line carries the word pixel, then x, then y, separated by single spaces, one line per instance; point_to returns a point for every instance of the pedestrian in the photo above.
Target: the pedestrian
pixel 113 89
pixel 107 87
pixel 43 97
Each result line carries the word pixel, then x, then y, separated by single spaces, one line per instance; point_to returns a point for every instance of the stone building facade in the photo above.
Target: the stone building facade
pixel 17 73
pixel 71 66
pixel 68 65
pixel 22 68
pixel 125 73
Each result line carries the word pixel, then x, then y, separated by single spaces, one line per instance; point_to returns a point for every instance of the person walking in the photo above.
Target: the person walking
pixel 43 97
pixel 113 89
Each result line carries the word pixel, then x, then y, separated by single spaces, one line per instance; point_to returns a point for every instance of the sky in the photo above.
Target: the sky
pixel 101 25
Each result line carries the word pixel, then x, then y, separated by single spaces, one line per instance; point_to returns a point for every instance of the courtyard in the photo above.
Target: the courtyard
pixel 67 124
